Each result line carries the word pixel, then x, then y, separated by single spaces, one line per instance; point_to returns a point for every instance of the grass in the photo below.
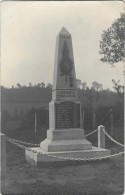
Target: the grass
pixel 88 178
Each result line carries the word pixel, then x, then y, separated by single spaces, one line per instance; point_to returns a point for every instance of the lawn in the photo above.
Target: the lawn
pixel 87 178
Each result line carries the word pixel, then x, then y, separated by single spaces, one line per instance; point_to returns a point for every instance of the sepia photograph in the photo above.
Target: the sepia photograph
pixel 62 97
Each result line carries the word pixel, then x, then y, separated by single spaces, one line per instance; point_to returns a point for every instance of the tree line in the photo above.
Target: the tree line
pixel 30 85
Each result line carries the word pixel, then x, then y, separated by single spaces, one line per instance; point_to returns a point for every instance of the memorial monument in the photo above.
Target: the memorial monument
pixel 65 136
pixel 65 123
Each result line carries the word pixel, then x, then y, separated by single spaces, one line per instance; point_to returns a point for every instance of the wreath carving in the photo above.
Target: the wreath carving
pixel 66 65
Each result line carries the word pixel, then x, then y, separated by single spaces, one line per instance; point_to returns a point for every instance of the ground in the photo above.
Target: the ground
pixel 104 177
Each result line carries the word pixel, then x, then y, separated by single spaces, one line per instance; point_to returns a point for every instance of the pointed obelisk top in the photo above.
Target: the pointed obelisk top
pixel 64 79
pixel 64 31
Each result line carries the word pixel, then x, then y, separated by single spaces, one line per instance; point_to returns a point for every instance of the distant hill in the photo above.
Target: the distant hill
pixel 17 104
pixel 18 100
pixel 26 94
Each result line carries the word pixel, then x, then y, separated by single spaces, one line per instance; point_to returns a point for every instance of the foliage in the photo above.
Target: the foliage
pixel 113 41
pixel 102 116
pixel 81 85
pixel 43 85
pixel 118 88
pixel 49 85
pixel 93 101
pixel 79 82
pixel 30 85
pixel 18 85
pixel 84 85
pixel 96 86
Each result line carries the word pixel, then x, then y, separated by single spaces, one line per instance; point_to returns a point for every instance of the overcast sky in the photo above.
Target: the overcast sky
pixel 29 30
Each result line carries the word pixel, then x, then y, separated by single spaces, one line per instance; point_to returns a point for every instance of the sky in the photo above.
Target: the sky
pixel 28 37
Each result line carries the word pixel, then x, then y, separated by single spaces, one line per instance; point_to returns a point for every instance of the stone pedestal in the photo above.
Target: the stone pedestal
pixel 65 140
pixel 65 133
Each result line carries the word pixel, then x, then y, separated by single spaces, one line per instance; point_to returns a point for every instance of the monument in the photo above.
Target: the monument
pixel 65 132
pixel 65 136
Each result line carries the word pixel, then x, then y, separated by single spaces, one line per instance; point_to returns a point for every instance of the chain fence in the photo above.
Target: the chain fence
pixel 66 158
pixel 31 144
pixel 91 133
pixel 112 138
pixel 21 142
pixel 18 143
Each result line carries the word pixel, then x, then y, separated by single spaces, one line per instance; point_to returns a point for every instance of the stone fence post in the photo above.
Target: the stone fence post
pixel 3 156
pixel 101 137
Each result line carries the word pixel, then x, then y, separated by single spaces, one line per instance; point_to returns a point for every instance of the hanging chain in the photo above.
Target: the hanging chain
pixel 91 133
pixel 112 138
pixel 25 143
pixel 18 143
pixel 65 158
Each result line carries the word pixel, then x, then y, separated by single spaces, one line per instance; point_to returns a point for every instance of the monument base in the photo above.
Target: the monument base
pixel 61 144
pixel 35 158
pixel 65 140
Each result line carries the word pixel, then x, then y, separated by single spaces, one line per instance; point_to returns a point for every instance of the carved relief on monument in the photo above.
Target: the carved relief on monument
pixel 66 65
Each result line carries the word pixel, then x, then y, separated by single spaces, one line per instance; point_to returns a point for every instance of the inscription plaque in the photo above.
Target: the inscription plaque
pixel 67 115
pixel 62 94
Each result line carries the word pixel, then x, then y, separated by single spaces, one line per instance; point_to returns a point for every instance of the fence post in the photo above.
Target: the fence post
pixel 35 125
pixel 3 162
pixel 83 116
pixel 101 137
pixel 111 118
pixel 94 119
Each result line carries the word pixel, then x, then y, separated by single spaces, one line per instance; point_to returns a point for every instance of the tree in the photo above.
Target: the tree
pixel 96 86
pixel 30 84
pixel 18 85
pixel 118 88
pixel 84 85
pixel 49 85
pixel 79 83
pixel 38 85
pixel 113 41
pixel 24 86
pixel 43 85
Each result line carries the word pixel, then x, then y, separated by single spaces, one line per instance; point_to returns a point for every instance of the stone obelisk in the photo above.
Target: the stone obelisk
pixel 65 136
pixel 65 132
